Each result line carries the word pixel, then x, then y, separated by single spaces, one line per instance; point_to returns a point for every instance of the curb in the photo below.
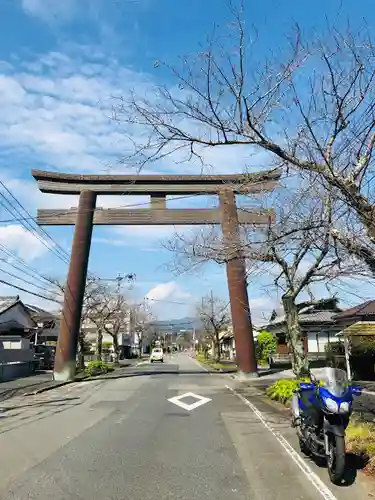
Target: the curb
pixel 61 384
pixel 50 387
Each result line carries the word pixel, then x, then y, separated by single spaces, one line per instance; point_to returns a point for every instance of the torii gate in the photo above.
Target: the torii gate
pixel 158 187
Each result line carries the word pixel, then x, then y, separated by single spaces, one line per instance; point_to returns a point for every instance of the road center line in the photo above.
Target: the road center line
pixel 315 480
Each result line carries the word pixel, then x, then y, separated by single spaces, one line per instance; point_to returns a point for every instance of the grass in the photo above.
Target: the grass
pixel 98 368
pixel 360 439
pixel 211 363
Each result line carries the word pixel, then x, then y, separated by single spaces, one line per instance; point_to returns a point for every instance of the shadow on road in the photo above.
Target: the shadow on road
pixel 354 463
pixel 143 372
pixel 39 403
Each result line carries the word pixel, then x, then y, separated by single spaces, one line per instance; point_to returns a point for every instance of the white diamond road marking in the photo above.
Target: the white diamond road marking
pixel 201 401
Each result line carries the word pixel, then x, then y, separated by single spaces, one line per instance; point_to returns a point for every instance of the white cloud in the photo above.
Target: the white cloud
pixel 23 242
pixel 56 114
pixel 167 290
pixel 49 10
pixel 261 309
pixel 58 108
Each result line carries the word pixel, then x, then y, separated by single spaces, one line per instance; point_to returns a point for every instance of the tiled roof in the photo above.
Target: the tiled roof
pixel 39 314
pixel 310 318
pixel 7 302
pixel 364 309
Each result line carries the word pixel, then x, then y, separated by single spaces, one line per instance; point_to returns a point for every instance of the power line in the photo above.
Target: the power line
pixel 28 291
pixel 30 271
pixel 25 281
pixel 28 226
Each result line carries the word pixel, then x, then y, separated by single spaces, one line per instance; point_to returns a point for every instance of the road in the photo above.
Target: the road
pixel 123 439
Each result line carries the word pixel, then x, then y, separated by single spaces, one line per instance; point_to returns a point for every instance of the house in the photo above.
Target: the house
pixel 48 325
pixel 15 318
pixel 16 355
pixel 364 312
pixel 228 343
pixel 317 322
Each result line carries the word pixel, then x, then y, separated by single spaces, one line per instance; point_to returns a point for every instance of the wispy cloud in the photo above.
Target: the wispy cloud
pixel 23 242
pixel 167 290
pixel 51 10
pixel 57 109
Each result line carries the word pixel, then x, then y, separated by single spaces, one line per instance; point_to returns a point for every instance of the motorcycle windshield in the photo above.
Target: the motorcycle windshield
pixel 335 381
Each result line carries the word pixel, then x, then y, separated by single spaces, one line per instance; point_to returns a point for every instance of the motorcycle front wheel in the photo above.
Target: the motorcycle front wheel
pixel 336 458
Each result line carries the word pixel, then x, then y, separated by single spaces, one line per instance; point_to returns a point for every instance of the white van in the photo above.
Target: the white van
pixel 157 355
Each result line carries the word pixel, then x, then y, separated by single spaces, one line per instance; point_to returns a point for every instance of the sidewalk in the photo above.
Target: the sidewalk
pixel 19 386
pixel 44 381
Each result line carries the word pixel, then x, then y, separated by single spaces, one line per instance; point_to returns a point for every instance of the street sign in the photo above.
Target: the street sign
pixel 200 401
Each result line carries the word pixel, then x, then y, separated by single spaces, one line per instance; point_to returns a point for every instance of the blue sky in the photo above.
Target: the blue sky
pixel 61 63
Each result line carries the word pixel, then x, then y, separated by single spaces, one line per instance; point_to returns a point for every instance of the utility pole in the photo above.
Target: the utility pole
pixel 130 277
pixel 237 285
pixel 66 350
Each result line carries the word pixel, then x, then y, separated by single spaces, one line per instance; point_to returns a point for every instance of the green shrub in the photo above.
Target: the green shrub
pixel 363 346
pixel 335 348
pixel 98 368
pixel 266 345
pixel 283 390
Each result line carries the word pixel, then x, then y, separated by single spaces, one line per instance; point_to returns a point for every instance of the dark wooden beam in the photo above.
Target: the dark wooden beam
pixel 149 217
pixel 57 183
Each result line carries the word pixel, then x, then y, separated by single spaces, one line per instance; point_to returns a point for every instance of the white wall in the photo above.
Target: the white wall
pixel 15 349
pixel 317 346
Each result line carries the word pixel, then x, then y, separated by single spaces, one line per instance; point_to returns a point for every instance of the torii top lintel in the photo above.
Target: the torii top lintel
pixel 60 183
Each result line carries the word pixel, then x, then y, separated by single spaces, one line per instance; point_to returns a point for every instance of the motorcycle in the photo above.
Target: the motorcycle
pixel 320 413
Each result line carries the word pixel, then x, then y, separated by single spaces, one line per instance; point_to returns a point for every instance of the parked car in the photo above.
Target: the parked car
pixel 157 355
pixel 46 356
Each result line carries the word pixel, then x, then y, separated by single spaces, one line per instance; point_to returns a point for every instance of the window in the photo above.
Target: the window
pixel 281 338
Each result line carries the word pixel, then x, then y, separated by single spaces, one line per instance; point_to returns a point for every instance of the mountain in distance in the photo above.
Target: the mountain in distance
pixel 175 325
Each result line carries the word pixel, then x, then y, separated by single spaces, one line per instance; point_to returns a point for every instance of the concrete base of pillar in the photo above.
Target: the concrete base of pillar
pixel 67 374
pixel 243 377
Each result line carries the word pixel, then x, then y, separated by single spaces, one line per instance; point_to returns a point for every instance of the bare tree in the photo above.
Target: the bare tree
pixel 95 310
pixel 215 317
pixel 142 318
pixel 296 252
pixel 313 111
pixel 110 312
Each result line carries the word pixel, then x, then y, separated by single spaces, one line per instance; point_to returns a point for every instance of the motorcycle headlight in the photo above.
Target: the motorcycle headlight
pixel 331 405
pixel 344 407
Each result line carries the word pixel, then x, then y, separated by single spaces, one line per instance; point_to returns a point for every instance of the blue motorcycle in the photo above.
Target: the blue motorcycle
pixel 321 414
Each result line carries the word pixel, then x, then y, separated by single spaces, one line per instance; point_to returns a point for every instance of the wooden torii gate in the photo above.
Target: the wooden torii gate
pixel 158 187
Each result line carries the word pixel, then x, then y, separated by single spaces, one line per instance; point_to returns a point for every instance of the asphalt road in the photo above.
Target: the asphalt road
pixel 123 439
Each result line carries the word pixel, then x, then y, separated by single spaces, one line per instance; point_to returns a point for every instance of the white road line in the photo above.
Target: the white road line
pixel 370 393
pixel 315 480
pixel 201 400
pixel 200 365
